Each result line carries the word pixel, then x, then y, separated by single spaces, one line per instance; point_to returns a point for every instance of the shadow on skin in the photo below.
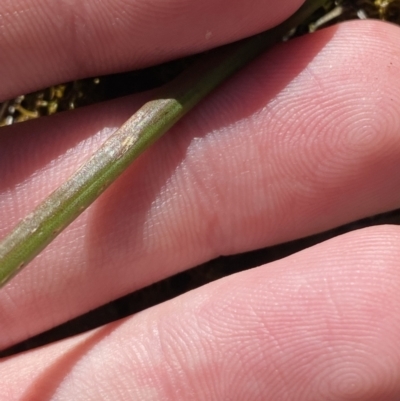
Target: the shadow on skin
pixel 143 182
pixel 46 384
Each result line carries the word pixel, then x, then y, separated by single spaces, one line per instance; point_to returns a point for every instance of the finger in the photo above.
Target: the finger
pixel 282 151
pixel 320 325
pixel 49 42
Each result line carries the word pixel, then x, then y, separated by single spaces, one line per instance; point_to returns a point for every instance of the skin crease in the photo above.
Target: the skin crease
pixel 314 144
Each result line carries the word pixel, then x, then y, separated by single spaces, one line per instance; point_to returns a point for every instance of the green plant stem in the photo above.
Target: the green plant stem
pixel 67 202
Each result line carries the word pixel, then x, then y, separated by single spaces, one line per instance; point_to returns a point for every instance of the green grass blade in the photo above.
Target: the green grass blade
pixel 66 203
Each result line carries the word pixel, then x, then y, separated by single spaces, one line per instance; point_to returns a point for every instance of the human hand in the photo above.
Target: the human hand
pixel 303 140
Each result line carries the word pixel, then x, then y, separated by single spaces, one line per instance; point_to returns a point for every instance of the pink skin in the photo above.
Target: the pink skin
pixel 85 38
pixel 304 139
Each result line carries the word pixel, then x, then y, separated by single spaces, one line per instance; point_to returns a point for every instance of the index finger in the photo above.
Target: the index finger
pixel 48 42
